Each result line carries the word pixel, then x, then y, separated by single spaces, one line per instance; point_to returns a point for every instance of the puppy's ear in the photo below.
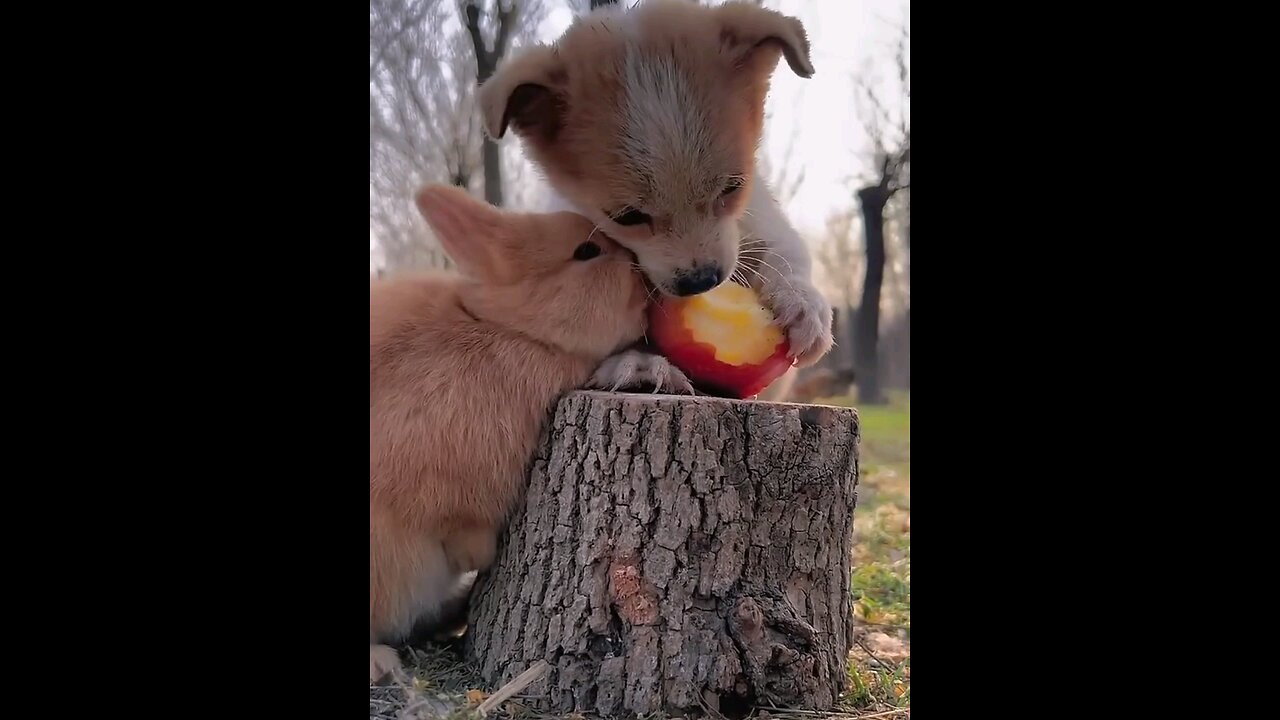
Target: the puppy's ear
pixel 525 93
pixel 753 35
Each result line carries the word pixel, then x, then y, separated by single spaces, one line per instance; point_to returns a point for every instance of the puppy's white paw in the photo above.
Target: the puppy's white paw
pixel 383 661
pixel 633 369
pixel 806 316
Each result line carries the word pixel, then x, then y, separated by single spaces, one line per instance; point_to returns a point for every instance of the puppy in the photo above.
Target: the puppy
pixel 646 120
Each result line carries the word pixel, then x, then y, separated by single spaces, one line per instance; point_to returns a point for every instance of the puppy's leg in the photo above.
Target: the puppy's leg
pixel 781 270
pixel 635 369
pixel 805 313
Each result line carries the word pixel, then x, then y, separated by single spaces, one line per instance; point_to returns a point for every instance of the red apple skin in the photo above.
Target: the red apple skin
pixel 698 359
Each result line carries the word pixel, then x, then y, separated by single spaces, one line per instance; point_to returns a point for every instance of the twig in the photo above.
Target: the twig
pixel 874 657
pixel 778 712
pixel 521 681
pixel 886 713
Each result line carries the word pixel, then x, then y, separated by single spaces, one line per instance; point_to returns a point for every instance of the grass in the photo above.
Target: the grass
pixel 880 663
pixel 439 684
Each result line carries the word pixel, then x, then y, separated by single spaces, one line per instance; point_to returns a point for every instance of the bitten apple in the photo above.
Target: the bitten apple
pixel 723 339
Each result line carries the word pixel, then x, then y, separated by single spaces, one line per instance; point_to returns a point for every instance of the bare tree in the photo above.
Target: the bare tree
pixel 896 294
pixel 487 57
pixel 582 7
pixel 839 258
pixel 786 177
pixel 421 127
pixel 890 133
pixel 423 122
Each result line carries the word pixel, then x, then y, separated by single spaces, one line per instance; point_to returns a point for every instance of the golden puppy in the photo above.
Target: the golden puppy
pixel 646 121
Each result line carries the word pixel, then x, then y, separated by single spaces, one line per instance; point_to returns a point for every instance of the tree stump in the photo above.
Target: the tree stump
pixel 676 554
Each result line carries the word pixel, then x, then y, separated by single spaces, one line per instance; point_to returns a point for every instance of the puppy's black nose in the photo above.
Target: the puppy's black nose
pixel 698 280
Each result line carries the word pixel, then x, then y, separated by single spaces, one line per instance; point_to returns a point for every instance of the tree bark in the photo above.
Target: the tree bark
pixel 866 337
pixel 486 64
pixel 673 553
pixel 492 172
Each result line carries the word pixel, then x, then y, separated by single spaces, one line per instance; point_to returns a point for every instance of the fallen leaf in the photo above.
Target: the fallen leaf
pixel 887 647
pixel 475 697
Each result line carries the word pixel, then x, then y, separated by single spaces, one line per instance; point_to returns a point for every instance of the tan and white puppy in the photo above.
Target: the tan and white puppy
pixel 646 120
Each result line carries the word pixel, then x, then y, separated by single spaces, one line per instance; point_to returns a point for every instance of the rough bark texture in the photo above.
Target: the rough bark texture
pixel 674 554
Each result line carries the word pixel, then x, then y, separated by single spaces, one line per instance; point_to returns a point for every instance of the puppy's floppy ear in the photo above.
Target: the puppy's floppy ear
pixel 525 92
pixel 746 29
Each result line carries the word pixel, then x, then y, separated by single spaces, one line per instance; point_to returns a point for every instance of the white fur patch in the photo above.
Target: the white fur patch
pixel 554 201
pixel 665 124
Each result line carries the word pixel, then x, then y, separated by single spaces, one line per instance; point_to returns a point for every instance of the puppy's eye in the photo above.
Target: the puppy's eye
pixel 586 251
pixel 631 216
pixel 733 186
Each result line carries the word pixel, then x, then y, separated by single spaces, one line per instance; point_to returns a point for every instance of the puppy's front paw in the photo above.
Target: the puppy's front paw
pixel 635 370
pixel 806 316
pixel 383 661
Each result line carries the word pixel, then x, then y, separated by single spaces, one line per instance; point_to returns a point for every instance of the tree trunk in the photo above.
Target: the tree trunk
pixel 492 173
pixel 675 552
pixel 867 328
pixel 490 151
pixel 486 64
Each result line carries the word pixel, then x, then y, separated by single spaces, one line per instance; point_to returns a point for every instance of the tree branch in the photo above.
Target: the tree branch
pixel 472 11
pixel 506 21
pixel 409 22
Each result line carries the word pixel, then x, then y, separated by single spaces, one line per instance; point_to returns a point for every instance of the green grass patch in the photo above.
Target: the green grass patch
pixel 881 580
pixel 878 688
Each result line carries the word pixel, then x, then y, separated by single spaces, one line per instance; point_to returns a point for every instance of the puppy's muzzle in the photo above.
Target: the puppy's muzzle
pixel 698 280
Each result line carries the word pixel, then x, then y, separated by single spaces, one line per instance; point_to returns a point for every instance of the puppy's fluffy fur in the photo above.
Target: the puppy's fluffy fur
pixel 646 121
pixel 462 374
